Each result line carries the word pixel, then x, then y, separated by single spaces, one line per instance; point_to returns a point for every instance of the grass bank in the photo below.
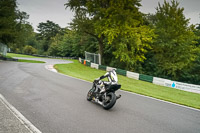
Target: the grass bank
pixel 78 70
pixel 20 55
pixel 11 55
pixel 30 61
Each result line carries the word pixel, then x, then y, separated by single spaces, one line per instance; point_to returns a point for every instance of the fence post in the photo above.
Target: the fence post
pixel 99 59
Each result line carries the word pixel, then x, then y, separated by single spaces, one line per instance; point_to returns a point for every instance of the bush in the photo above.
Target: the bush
pixel 17 51
pixel 29 50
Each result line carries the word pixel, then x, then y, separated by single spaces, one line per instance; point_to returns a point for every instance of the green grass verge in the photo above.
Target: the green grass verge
pixel 78 70
pixel 11 55
pixel 20 55
pixel 30 61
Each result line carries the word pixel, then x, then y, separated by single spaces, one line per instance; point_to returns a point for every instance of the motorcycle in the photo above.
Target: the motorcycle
pixel 103 92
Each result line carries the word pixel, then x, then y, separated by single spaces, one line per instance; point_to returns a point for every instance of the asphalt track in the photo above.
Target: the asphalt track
pixel 55 103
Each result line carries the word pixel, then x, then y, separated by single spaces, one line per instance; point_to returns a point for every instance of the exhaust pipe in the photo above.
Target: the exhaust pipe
pixel 97 101
pixel 118 96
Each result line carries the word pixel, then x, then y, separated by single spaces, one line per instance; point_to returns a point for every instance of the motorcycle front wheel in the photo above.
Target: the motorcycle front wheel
pixel 89 95
pixel 109 101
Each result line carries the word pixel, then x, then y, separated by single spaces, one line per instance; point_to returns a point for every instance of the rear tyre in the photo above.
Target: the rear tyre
pixel 89 95
pixel 110 101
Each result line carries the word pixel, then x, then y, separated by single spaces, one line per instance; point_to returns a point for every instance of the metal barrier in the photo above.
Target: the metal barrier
pixel 92 57
pixel 3 49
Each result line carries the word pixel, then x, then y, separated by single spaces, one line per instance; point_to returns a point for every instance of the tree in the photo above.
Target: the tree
pixel 122 24
pixel 8 22
pixel 46 31
pixel 72 44
pixel 197 33
pixel 191 74
pixel 174 47
pixel 24 31
pixel 114 22
pixel 84 21
pixel 23 35
pixel 14 28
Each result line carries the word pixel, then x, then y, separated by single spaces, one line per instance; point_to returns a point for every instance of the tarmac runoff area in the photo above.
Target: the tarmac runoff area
pixel 12 121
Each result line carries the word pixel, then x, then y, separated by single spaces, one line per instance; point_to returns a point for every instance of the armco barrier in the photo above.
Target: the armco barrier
pixel 185 86
pixel 79 59
pixel 159 81
pixel 7 59
pixel 88 63
pixel 102 67
pixel 132 75
pixel 121 72
pixel 146 78
pixel 93 65
pixel 109 68
pixel 154 80
pixel 82 61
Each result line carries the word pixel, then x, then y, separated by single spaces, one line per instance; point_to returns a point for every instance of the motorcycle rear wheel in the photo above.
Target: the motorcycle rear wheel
pixel 110 101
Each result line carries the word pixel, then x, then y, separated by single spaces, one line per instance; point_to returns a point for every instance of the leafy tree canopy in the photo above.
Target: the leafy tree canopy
pixel 8 22
pixel 175 44
pixel 14 28
pixel 118 23
pixel 47 30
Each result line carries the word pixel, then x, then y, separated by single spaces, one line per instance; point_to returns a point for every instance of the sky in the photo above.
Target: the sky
pixel 54 10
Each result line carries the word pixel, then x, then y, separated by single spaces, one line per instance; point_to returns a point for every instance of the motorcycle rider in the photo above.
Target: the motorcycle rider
pixel 103 92
pixel 112 79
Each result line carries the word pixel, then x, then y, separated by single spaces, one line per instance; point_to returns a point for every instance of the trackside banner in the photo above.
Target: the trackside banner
pixel 182 86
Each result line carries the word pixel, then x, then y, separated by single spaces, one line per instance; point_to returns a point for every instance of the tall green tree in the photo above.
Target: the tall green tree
pixel 14 28
pixel 191 74
pixel 197 33
pixel 24 31
pixel 122 24
pixel 47 30
pixel 8 22
pixel 72 44
pixel 175 44
pixel 114 22
pixel 85 19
